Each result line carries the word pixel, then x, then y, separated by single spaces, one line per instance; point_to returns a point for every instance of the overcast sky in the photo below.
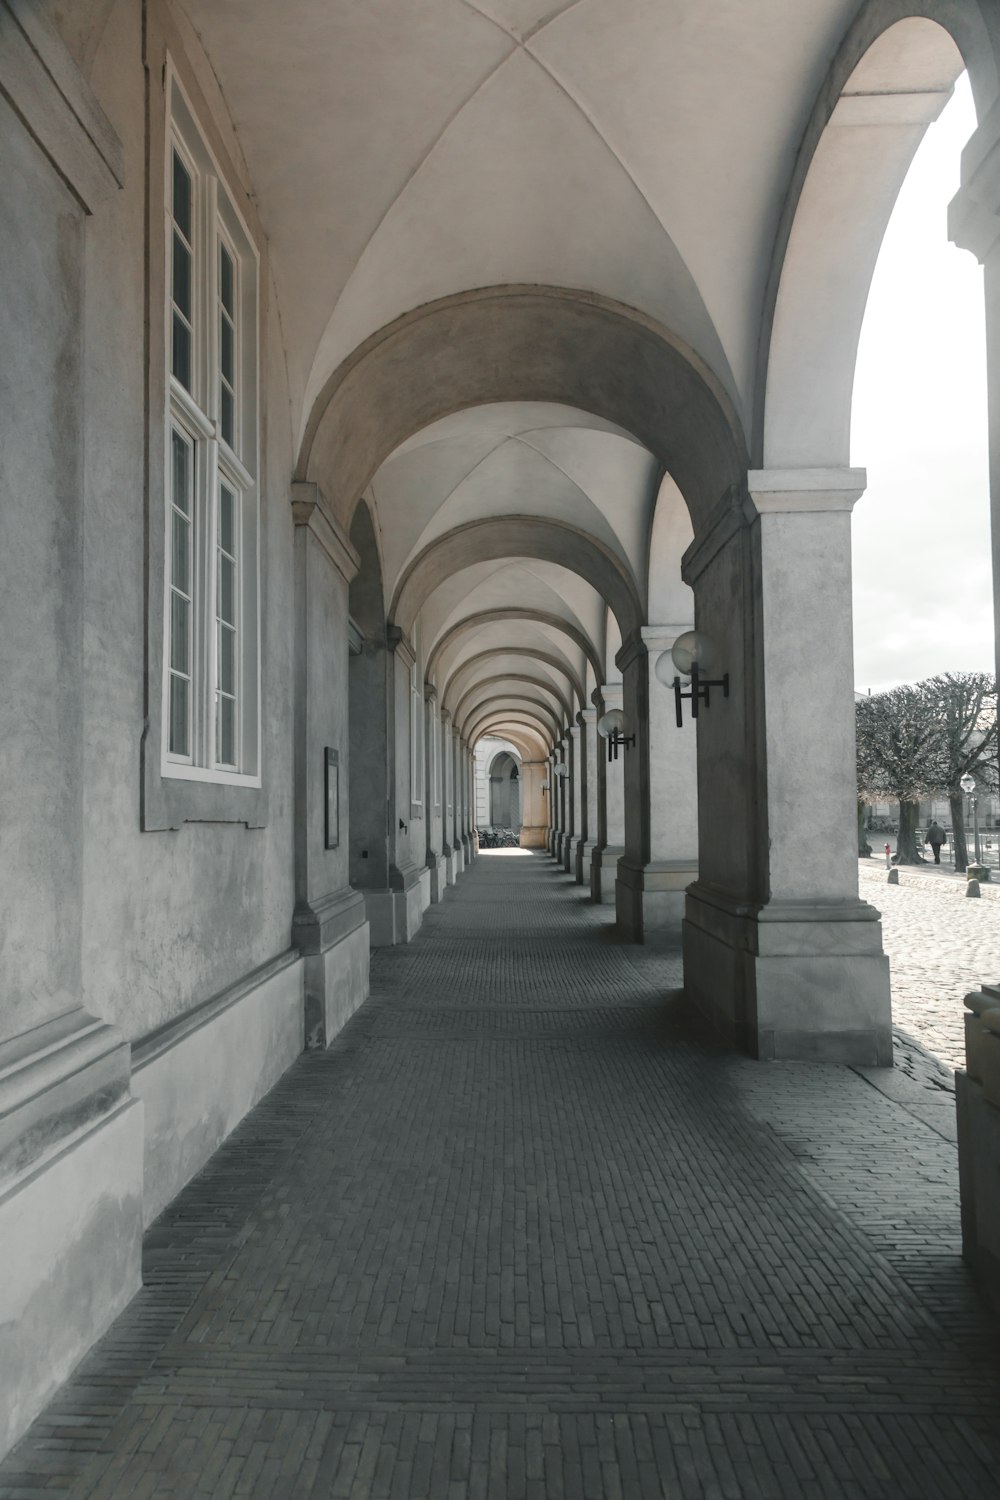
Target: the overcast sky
pixel 923 598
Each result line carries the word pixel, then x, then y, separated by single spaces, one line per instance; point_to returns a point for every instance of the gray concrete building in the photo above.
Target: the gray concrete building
pixel 379 379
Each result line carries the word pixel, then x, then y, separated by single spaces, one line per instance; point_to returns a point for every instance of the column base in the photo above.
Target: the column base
pixel 394 916
pixel 437 868
pixel 331 934
pixel 604 873
pixel 70 1205
pixel 977 1100
pixel 979 1171
pixel 532 836
pixel 790 980
pixel 649 899
pixel 580 860
pixel 569 843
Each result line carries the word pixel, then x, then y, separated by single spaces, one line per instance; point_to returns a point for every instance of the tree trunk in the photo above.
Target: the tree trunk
pixel 956 802
pixel 863 845
pixel 906 841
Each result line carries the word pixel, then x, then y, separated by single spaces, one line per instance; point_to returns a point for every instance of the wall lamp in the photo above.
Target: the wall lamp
pixel 560 769
pixel 692 655
pixel 611 728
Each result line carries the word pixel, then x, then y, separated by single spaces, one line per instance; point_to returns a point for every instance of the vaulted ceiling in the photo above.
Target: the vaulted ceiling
pixel 635 155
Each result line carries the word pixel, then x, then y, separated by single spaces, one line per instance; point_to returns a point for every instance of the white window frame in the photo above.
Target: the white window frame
pixel 196 415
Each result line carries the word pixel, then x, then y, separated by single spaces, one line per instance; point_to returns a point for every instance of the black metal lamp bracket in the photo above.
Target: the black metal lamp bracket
pixel 700 692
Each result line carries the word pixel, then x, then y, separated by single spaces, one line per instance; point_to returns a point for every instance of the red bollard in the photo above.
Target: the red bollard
pixel 888 856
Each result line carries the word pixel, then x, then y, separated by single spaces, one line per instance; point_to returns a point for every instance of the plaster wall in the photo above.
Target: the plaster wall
pixel 169 918
pixel 41 580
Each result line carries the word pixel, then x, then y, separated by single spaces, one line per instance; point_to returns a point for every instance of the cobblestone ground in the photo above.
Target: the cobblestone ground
pixel 940 945
pixel 518 1235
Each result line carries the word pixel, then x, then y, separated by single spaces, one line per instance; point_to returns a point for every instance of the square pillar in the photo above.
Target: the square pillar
pixel 589 755
pixel 661 792
pixel 611 847
pixel 778 948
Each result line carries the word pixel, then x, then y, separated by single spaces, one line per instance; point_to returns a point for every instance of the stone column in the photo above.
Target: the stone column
pixel 661 791
pixel 447 802
pixel 777 946
pixel 465 820
pixel 604 860
pixel 329 926
pixel 433 802
pixel 974 224
pixel 569 799
pixel 534 809
pixel 589 757
pixel 578 792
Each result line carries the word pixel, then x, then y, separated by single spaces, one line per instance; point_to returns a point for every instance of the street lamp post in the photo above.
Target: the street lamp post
pixel 968 786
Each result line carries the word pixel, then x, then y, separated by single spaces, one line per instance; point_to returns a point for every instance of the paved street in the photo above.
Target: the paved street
pixel 940 945
pixel 521 1235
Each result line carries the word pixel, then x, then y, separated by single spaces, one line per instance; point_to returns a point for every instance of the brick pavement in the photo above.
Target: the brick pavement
pixel 520 1235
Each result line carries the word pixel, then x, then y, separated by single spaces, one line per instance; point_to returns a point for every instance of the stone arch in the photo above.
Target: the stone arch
pixel 515 612
pixel 530 654
pixel 505 719
pixel 512 343
pixel 503 778
pixel 519 536
pixel 891 78
pixel 501 680
pixel 521 701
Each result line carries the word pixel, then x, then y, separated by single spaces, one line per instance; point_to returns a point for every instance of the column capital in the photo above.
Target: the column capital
pixel 430 693
pixel 399 642
pixel 446 716
pixel 613 694
pixel 784 491
pixel 659 638
pixel 587 716
pixel 309 509
pixel 574 732
pixel 974 212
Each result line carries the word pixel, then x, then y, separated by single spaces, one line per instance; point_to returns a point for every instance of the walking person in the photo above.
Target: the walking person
pixel 935 836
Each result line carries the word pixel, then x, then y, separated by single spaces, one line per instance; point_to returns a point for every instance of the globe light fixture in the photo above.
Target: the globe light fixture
pixel 560 769
pixel 611 727
pixel 692 656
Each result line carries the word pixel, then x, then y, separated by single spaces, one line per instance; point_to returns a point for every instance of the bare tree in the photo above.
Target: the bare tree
pixel 963 706
pixel 899 758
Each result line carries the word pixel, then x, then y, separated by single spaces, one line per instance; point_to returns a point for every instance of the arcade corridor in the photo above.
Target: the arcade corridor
pixel 517 1234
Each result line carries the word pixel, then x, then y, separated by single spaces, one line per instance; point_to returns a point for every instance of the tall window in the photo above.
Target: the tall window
pixel 212 628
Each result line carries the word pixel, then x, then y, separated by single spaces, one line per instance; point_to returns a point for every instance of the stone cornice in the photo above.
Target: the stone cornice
pixel 399 644
pixel 57 105
pixel 787 491
pixel 309 510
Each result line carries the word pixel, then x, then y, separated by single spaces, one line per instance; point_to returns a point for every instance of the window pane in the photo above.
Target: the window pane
pixel 226 731
pixel 180 716
pixel 181 569
pixel 227 349
pixel 180 362
pixel 227 590
pixel 226 279
pixel 227 659
pixel 180 633
pixel 227 520
pixel 181 461
pixel 182 276
pixel 182 198
pixel 227 419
